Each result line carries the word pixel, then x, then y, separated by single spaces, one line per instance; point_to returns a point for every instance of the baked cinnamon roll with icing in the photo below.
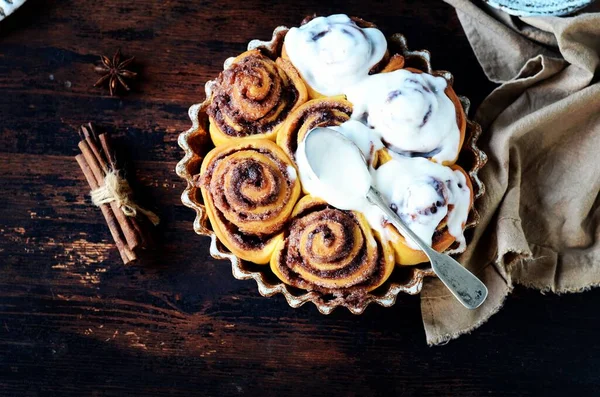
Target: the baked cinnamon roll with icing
pixel 330 250
pixel 334 52
pixel 434 200
pixel 415 113
pixel 249 188
pixel 253 96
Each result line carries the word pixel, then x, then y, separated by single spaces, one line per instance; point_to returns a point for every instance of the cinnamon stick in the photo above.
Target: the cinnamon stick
pixel 92 161
pixel 105 143
pixel 97 153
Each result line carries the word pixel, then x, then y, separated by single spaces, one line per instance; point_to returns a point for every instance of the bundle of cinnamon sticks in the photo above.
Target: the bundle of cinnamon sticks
pixel 96 161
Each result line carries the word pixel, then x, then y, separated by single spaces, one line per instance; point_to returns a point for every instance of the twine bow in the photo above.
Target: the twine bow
pixel 116 189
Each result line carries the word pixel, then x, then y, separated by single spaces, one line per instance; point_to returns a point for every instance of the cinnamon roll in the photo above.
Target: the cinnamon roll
pixel 330 250
pixel 415 113
pixel 322 112
pixel 434 200
pixel 249 189
pixel 253 96
pixel 332 53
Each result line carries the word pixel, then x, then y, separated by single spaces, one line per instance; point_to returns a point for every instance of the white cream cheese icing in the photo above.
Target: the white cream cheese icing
pixel 333 52
pixel 365 138
pixel 332 168
pixel 291 171
pixel 410 111
pixel 422 192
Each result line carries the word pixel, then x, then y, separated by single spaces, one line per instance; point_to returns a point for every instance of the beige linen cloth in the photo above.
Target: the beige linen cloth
pixel 541 131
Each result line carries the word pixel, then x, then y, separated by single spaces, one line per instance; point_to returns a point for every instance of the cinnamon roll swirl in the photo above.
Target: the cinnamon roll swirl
pixel 332 251
pixel 249 189
pixel 322 112
pixel 415 113
pixel 434 200
pixel 253 96
pixel 334 52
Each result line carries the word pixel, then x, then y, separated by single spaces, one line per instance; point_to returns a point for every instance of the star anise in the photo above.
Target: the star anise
pixel 114 72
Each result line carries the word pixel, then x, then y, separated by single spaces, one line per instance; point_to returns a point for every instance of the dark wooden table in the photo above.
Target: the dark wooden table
pixel 74 320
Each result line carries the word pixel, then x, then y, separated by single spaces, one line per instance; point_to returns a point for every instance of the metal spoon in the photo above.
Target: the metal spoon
pixel 463 284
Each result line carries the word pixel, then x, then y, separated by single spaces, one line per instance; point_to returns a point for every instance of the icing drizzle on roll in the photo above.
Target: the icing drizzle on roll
pixel 367 141
pixel 411 112
pixel 333 52
pixel 423 193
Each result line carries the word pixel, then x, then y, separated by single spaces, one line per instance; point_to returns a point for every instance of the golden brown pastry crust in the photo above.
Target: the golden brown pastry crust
pixel 253 96
pixel 330 250
pixel 249 192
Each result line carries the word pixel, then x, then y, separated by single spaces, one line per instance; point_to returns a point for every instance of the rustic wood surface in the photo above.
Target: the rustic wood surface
pixel 75 321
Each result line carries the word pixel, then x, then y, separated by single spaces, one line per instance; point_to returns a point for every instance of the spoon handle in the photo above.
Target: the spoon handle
pixel 463 284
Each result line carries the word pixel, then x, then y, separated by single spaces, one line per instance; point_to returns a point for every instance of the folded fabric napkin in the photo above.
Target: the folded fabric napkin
pixel 541 130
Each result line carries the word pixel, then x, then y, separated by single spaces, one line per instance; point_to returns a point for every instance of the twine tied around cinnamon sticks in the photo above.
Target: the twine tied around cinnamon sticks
pixel 112 194
pixel 117 189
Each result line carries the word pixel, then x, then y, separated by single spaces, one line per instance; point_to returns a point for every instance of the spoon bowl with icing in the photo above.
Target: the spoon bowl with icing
pixel 335 169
